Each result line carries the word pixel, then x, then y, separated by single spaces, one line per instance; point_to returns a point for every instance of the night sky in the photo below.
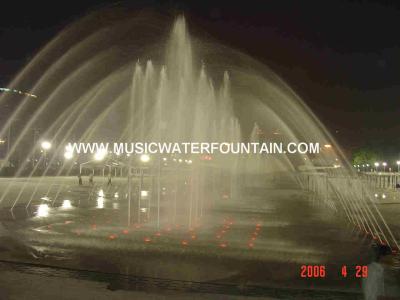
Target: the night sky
pixel 341 57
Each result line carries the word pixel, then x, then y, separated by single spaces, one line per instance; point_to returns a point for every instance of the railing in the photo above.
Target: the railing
pixel 352 196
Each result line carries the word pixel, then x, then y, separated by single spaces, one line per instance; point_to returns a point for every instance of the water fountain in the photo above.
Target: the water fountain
pixel 108 84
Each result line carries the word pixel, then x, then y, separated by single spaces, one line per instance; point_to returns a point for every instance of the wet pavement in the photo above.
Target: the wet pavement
pixel 245 245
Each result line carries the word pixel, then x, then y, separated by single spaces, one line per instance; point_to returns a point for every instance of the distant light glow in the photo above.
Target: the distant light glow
pixel 7 90
pixel 68 155
pixel 100 202
pixel 144 158
pixel 100 154
pixel 46 145
pixel 66 204
pixel 43 210
pixel 144 194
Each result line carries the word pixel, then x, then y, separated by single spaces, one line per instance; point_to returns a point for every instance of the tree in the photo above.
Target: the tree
pixel 364 156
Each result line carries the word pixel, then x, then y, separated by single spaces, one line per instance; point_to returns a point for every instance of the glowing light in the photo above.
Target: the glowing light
pixel 383 196
pixel 100 202
pixel 66 204
pixel 100 154
pixel 384 164
pixel 376 164
pixel 144 158
pixel 46 145
pixel 398 162
pixel 43 210
pixel 144 194
pixel 223 245
pixel 143 209
pixel 164 159
pixel 328 146
pixel 68 155
pixel 17 92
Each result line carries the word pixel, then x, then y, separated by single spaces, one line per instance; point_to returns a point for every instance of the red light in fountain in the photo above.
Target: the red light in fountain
pixel 125 231
pixel 250 245
pixel 223 245
pixel 194 237
pixel 157 233
pixel 206 157
pixel 112 237
pixel 147 240
pixel 184 243
pixel 94 226
pixel 218 236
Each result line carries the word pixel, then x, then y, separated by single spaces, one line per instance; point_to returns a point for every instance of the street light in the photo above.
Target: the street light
pixel 376 166
pixel 46 145
pixel 384 164
pixel 398 165
pixel 144 158
pixel 68 155
pixel 100 155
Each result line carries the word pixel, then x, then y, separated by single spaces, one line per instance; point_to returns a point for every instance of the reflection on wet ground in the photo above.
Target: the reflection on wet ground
pixel 260 240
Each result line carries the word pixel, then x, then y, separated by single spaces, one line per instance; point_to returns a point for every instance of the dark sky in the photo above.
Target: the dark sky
pixel 342 57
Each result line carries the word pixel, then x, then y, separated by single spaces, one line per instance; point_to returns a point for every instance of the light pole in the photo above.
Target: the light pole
pixel 144 158
pixel 376 166
pixel 384 164
pixel 46 146
pixel 398 165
